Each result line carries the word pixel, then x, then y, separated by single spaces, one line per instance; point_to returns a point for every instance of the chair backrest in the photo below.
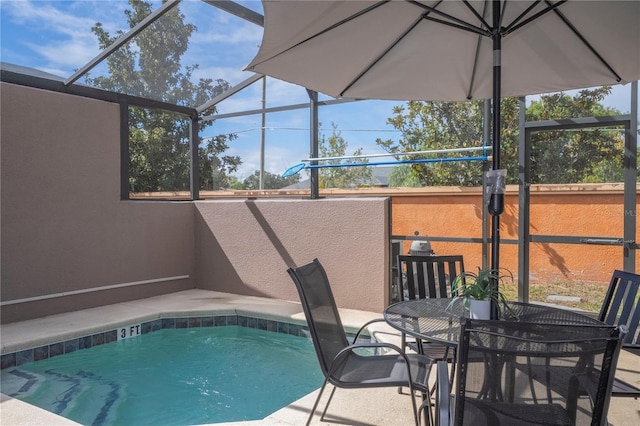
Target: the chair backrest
pixel 621 307
pixel 425 277
pixel 321 311
pixel 535 371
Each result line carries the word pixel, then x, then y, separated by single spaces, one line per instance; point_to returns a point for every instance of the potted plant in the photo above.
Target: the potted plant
pixel 477 291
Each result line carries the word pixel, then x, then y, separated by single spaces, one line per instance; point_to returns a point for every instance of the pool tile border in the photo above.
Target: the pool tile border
pixel 39 353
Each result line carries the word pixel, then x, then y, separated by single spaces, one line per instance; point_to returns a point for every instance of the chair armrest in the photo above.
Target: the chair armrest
pixel 343 355
pixel 443 394
pixel 365 325
pixel 371 345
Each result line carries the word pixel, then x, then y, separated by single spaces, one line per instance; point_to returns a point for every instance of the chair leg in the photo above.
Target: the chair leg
pixel 426 407
pixel 328 402
pixel 416 411
pixel 315 405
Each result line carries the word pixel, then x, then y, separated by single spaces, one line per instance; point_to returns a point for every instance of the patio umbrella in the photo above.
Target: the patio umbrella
pixel 450 50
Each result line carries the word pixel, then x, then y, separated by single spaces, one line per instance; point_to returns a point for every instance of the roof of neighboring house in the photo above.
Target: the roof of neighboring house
pixel 380 177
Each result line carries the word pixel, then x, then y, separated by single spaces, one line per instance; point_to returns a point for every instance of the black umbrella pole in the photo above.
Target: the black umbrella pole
pixel 495 260
pixel 495 128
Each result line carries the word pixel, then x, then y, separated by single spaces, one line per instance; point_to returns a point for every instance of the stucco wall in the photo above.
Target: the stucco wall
pixel 588 210
pixel 63 225
pixel 64 228
pixel 245 247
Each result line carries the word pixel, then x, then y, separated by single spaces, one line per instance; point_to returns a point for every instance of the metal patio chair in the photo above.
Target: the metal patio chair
pixel 621 307
pixel 426 277
pixel 357 365
pixel 496 391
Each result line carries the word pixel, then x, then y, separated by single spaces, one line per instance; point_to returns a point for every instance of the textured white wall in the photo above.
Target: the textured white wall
pixel 65 229
pixel 245 247
pixel 63 225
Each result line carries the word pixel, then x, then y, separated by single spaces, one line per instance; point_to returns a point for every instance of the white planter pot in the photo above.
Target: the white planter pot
pixel 480 309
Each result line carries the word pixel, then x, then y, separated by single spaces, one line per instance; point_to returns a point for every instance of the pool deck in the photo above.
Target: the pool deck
pixel 348 407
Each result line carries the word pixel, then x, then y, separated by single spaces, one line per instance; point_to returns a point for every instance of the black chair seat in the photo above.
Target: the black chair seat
pixel 357 365
pixel 483 413
pixel 517 373
pixel 621 306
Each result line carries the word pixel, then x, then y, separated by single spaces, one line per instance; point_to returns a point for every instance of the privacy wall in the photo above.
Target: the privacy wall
pixel 245 247
pixel 64 228
pixel 68 242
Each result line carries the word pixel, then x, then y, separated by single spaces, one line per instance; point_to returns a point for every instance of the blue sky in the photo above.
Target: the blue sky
pixel 55 36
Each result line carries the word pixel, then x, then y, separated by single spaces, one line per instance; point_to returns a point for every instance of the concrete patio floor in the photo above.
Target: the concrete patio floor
pixel 348 407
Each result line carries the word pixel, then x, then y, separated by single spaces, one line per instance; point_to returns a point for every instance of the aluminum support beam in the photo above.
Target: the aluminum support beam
pixel 630 179
pixel 194 172
pixel 313 140
pixel 524 204
pixel 228 93
pixel 277 109
pixel 170 4
pixel 238 10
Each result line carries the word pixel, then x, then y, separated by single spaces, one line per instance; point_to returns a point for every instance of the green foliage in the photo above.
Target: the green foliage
pixel 575 156
pixel 593 155
pixel 341 177
pixel 150 67
pixel 270 181
pixel 234 183
pixel 403 175
pixel 435 125
pixel 480 286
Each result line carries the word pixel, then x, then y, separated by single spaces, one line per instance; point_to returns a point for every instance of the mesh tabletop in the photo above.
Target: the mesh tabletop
pixel 438 320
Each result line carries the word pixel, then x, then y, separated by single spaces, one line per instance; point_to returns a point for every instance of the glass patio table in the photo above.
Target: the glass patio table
pixel 435 320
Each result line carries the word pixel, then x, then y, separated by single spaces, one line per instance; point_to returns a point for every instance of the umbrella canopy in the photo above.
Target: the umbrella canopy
pixel 451 50
pixel 444 50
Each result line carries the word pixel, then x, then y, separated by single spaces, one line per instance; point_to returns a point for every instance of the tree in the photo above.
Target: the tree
pixel 159 140
pixel 403 175
pixel 341 177
pixel 557 157
pixel 575 156
pixel 435 126
pixel 270 181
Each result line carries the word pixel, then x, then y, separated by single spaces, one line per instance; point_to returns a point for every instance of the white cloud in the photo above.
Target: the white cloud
pixel 61 35
pixel 66 55
pixel 45 16
pixel 229 74
pixel 231 33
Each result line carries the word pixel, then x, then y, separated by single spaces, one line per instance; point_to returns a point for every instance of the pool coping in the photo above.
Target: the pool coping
pixel 48 330
pixel 24 356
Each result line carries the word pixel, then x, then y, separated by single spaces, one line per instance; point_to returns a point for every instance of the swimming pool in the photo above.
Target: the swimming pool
pixel 174 376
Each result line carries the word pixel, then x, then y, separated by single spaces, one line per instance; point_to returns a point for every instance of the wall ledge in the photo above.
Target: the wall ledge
pixel 435 191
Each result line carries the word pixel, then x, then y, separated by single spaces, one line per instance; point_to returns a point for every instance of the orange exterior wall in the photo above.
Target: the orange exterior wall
pixel 588 210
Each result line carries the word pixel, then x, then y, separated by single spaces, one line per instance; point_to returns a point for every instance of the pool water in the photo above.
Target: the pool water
pixel 172 377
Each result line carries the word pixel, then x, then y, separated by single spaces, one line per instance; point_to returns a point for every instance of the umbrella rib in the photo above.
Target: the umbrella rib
pixel 555 8
pixel 587 44
pixel 455 22
pixel 376 60
pixel 477 56
pixel 515 25
pixel 522 15
pixel 475 12
pixel 465 27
